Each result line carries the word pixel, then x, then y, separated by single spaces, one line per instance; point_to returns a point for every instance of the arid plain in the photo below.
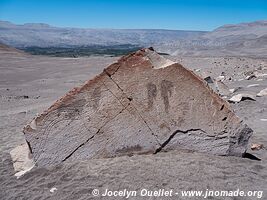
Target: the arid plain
pixel 30 84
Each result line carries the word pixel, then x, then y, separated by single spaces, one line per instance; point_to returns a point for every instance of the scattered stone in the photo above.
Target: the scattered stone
pixel 258 74
pixel 22 160
pixel 220 78
pixel 262 93
pixel 222 89
pixel 253 85
pixel 259 68
pixel 141 104
pixel 256 147
pixel 217 86
pixel 250 77
pixel 264 120
pixel 52 190
pixel 18 97
pixel 241 97
pixel 208 79
pixel 233 90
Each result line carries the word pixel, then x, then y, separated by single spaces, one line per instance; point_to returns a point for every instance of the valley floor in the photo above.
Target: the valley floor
pixel 29 84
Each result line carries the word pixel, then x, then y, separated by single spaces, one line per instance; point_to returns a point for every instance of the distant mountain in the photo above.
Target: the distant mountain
pixel 43 35
pixel 257 28
pixel 245 39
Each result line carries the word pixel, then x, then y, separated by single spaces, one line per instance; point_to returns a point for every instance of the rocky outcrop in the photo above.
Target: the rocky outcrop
pixel 141 104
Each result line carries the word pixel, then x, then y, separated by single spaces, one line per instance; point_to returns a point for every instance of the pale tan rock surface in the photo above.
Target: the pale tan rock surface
pixel 141 104
pixel 262 93
pixel 22 161
pixel 241 97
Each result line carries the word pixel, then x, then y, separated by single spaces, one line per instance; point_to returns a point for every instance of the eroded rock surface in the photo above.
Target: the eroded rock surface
pixel 141 104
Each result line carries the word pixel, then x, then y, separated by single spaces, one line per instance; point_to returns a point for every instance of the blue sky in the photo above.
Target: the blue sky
pixel 157 14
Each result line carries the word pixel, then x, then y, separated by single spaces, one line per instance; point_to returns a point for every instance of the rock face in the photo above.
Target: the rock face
pixel 141 104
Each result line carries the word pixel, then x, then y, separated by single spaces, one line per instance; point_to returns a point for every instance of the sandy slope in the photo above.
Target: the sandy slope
pixel 28 84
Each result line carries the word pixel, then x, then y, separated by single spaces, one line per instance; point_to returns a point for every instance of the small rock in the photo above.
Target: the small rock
pixel 253 85
pixel 217 86
pixel 21 173
pixel 264 120
pixel 222 89
pixel 256 147
pixel 258 74
pixel 259 68
pixel 250 77
pixel 232 90
pixel 220 78
pixel 208 79
pixel 223 74
pixel 52 190
pixel 241 97
pixel 262 93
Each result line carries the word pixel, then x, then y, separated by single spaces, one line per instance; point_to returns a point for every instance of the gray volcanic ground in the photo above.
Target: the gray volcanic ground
pixel 29 84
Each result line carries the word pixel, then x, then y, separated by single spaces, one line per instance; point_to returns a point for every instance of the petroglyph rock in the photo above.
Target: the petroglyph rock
pixel 141 104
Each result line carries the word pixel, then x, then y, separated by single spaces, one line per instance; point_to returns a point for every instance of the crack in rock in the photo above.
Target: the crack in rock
pixel 130 99
pixel 81 145
pixel 172 136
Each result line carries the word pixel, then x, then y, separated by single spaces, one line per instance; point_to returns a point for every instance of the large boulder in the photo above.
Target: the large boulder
pixel 141 104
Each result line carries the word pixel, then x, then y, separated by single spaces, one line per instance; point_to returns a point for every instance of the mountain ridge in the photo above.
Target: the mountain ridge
pixel 43 35
pixel 243 39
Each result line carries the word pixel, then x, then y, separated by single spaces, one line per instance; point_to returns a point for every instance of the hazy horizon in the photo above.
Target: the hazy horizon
pixel 50 25
pixel 193 15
